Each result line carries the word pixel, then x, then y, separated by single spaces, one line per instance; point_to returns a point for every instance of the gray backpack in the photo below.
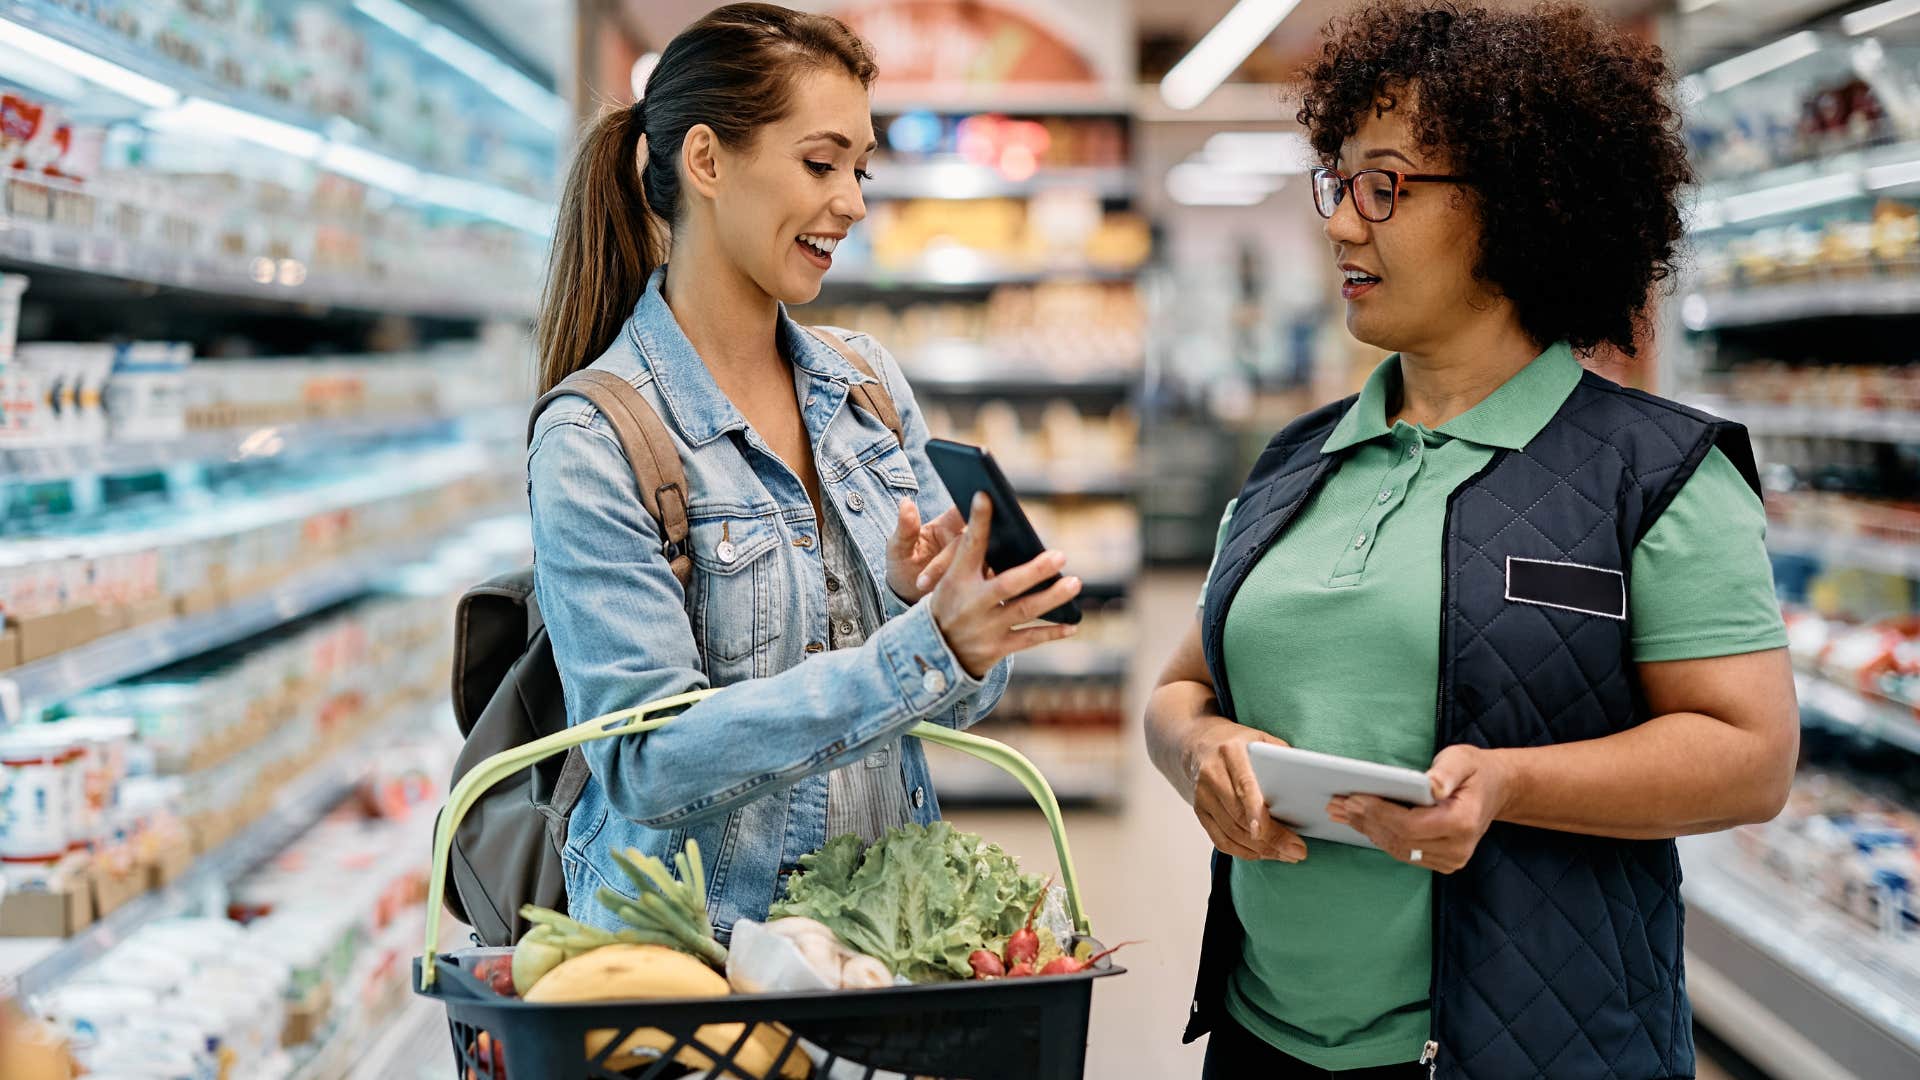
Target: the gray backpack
pixel 507 688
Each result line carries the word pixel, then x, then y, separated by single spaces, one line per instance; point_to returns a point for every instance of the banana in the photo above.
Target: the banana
pixel 617 972
pixel 642 972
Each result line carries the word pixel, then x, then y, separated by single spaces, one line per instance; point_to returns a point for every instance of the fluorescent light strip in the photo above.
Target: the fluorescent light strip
pixel 1194 183
pixel 1797 196
pixel 498 77
pixel 370 168
pixel 128 84
pixel 1731 73
pixel 1886 176
pixel 204 117
pixel 1224 48
pixel 1279 153
pixel 1867 20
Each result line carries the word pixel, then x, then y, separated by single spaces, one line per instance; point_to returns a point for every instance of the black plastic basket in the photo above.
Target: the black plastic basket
pixel 1000 1029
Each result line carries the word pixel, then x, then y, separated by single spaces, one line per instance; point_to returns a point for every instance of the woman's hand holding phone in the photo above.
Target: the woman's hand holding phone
pixel 977 611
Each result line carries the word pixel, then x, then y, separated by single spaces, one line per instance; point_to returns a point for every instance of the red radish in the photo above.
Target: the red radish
pixel 1020 970
pixel 497 973
pixel 1067 965
pixel 986 965
pixel 1024 946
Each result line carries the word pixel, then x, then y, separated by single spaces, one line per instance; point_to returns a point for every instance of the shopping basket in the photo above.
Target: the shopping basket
pixel 1002 1028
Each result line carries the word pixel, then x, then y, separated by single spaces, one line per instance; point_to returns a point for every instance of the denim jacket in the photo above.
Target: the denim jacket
pixel 743 772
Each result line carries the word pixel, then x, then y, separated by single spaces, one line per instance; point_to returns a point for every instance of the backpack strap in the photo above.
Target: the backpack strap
pixel 657 470
pixel 650 452
pixel 873 396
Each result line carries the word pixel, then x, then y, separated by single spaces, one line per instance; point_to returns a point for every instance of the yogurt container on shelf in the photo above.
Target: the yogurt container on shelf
pixel 39 774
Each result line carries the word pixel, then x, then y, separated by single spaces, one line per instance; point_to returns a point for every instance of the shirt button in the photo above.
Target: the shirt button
pixel 833 583
pixel 919 797
pixel 1413 451
pixel 1387 494
pixel 855 503
pixel 1360 541
pixel 846 628
pixel 934 682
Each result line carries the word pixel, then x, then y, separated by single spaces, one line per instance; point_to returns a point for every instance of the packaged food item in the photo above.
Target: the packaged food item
pixel 39 776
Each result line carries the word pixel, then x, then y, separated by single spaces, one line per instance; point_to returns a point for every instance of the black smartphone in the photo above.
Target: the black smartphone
pixel 1012 542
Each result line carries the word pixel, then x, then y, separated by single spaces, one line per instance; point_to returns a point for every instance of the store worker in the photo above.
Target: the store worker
pixel 833 591
pixel 1548 592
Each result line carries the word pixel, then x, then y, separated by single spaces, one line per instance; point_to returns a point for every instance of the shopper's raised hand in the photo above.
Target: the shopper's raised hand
pixel 1227 798
pixel 978 613
pixel 918 554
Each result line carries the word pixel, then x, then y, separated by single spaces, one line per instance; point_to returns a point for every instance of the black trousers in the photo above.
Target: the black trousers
pixel 1234 1053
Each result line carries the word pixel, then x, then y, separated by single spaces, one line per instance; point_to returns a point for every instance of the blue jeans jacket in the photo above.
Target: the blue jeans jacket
pixel 742 772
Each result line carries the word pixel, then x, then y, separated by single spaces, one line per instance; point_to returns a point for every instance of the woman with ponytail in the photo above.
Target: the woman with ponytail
pixel 833 593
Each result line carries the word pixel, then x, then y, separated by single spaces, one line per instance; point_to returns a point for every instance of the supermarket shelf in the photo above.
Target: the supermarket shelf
pixel 1859 552
pixel 946 381
pixel 1063 484
pixel 301 805
pixel 237 444
pixel 99 41
pixel 35 244
pixel 1853 994
pixel 966 270
pixel 965 180
pixel 144 648
pixel 1082 766
pixel 1760 306
pixel 1864 425
pixel 1876 717
pixel 1073 660
pixel 395 1046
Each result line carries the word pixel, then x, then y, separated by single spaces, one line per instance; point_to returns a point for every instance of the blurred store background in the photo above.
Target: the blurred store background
pixel 267 270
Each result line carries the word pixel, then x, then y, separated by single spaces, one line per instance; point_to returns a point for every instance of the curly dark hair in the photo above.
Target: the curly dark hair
pixel 1566 125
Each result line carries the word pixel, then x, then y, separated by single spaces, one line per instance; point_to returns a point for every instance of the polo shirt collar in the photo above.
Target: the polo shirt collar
pixel 1508 418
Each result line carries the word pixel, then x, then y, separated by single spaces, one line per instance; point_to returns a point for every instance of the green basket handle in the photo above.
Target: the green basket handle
pixel 643 718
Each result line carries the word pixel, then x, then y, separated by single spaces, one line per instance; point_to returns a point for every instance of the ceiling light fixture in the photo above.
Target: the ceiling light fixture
pixel 1867 20
pixel 1752 65
pixel 1224 48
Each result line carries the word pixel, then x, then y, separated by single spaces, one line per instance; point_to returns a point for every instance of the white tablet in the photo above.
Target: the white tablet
pixel 1298 784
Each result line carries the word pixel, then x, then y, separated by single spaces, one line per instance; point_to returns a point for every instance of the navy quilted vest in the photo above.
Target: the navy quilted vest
pixel 1555 955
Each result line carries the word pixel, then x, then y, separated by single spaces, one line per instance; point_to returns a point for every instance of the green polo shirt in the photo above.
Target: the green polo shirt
pixel 1332 644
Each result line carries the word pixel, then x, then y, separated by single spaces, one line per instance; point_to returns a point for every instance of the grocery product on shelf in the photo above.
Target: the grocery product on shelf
pixel 1055 331
pixel 1842 846
pixel 145 208
pixel 307 950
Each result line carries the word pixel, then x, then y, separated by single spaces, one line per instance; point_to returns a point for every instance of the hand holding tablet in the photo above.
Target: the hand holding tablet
pixel 1298 784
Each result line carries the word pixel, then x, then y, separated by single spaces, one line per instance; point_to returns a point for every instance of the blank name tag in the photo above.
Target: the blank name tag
pixel 1572 586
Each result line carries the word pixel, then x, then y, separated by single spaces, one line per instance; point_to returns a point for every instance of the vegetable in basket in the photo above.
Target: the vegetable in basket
pixel 622 972
pixel 920 900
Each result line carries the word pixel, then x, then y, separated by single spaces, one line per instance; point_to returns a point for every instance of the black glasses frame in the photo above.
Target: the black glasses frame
pixel 1393 202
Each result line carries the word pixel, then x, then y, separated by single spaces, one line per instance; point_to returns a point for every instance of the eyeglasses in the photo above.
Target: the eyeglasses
pixel 1375 191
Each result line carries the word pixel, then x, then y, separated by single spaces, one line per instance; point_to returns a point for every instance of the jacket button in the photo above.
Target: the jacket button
pixel 934 682
pixel 815 647
pixel 919 797
pixel 855 503
pixel 803 541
